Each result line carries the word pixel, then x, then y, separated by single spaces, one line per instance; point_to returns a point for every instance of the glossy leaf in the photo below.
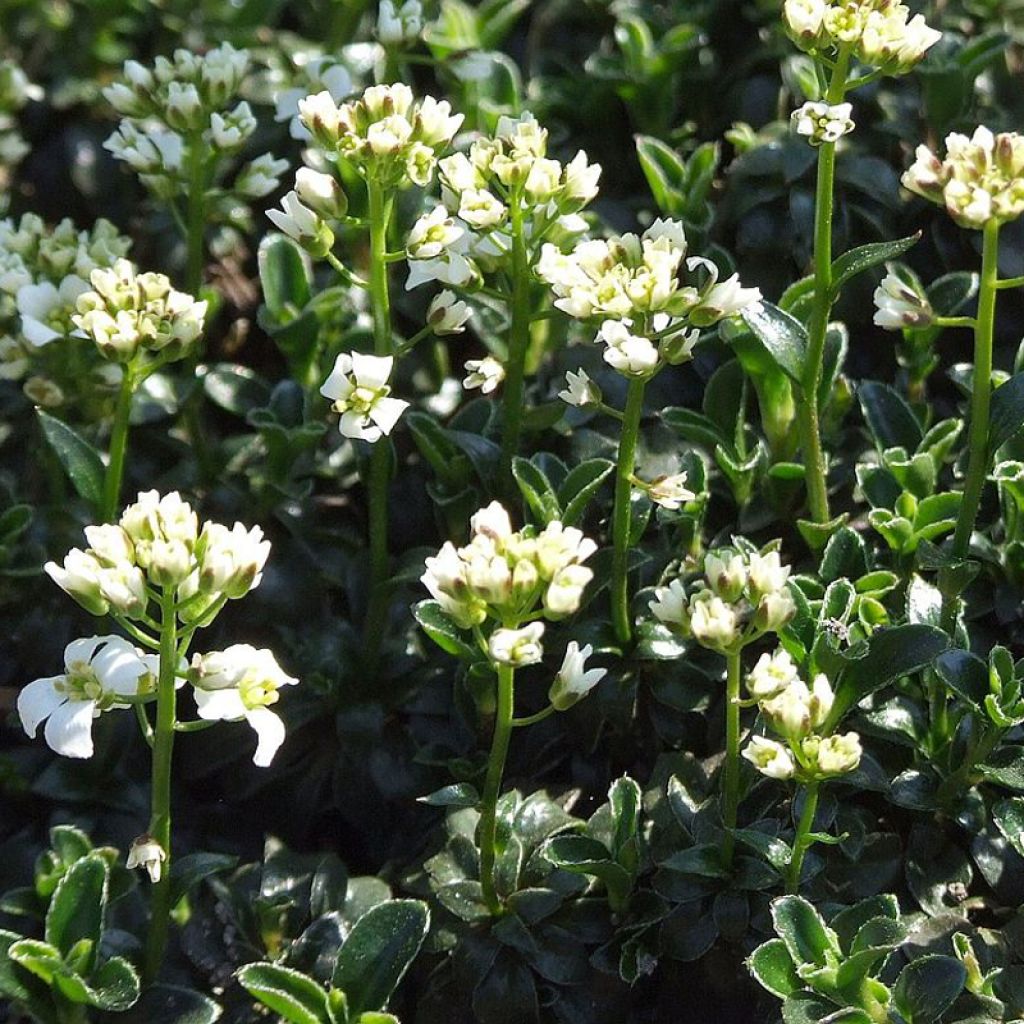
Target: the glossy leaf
pixel 295 996
pixel 782 335
pixel 81 461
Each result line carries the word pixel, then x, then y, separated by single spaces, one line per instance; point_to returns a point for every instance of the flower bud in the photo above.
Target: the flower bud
pixel 321 193
pixel 726 573
pixel 770 758
pixel 146 852
pixel 574 681
pixel 837 755
pixel 517 647
pixel 774 611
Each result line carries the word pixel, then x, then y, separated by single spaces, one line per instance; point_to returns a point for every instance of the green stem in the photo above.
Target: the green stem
pixel 518 342
pixel 731 767
pixel 196 218
pixel 954 784
pixel 518 723
pixel 160 800
pixel 621 512
pixel 381 204
pixel 801 843
pixel 492 785
pixel 808 419
pixel 118 447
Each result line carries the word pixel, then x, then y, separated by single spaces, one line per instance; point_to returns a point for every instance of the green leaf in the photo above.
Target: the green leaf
pixel 378 952
pixel 284 276
pixel 864 257
pixel 892 653
pixel 188 871
pixel 781 334
pixel 664 170
pixel 442 629
pixel 42 959
pixel 624 797
pixel 927 987
pixel 773 968
pixel 458 794
pixel 79 905
pixel 114 985
pixel 889 417
pixel 965 674
pixel 171 1004
pixel 1007 412
pixel 695 427
pixel 1009 818
pixel 11 986
pixel 802 930
pixel 294 995
pixel 579 488
pixel 1006 766
pixel 80 460
pixel 236 389
pixel 536 490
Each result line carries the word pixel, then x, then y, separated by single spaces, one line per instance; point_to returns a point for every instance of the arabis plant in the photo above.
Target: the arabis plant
pixel 162 576
pixel 651 302
pixel 802 749
pixel 742 595
pixel 141 323
pixel 502 586
pixel 182 129
pixel 15 92
pixel 359 390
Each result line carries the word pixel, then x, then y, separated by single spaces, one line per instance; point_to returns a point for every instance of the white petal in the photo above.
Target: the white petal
pixel 84 649
pixel 269 732
pixel 37 300
pixel 119 669
pixel 371 371
pixel 225 705
pixel 69 728
pixel 386 412
pixel 37 333
pixel 356 425
pixel 36 701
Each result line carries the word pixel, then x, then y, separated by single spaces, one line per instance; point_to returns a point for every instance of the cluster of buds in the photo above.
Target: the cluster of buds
pixel 470 235
pixel 158 543
pixel 981 178
pixel 42 273
pixel 386 135
pixel 15 92
pixel 633 284
pixel 358 389
pixel 901 301
pixel 881 34
pixel 510 577
pixel 797 714
pixel 179 113
pixel 399 24
pixel 131 316
pixel 820 122
pixel 743 595
pixel 316 75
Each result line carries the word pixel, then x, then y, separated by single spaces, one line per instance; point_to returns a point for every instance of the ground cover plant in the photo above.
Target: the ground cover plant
pixel 511 512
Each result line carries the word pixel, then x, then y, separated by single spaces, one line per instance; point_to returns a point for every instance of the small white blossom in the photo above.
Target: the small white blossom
pixel 517 647
pixel 446 315
pixel 574 680
pixel 401 24
pixel 358 388
pixel 820 122
pixel 772 674
pixel 837 755
pixel 485 374
pixel 900 302
pixel 670 604
pixel 147 853
pixel 770 758
pixel 303 225
pixel 713 622
pixel 628 353
pixel 670 492
pixel 321 192
pixel 260 177
pixel 580 390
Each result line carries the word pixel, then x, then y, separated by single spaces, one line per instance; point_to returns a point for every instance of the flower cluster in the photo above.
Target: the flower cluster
pixel 797 714
pixel 43 271
pixel 15 92
pixel 359 390
pixel 158 543
pixel 127 314
pixel 506 576
pixel 317 75
pixel 879 33
pixel 901 301
pixel 820 122
pixel 632 283
pixel 981 178
pixel 178 116
pixel 742 595
pixel 386 134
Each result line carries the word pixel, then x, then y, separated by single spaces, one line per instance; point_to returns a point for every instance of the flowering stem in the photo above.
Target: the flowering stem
pixel 160 799
pixel 381 204
pixel 492 785
pixel 801 841
pixel 808 419
pixel 518 341
pixel 731 767
pixel 620 514
pixel 196 224
pixel 118 446
pixel 518 723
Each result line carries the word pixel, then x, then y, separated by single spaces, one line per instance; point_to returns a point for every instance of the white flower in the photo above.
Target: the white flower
pixel 493 522
pixel 446 315
pixel 574 680
pixel 517 647
pixel 766 572
pixel 837 755
pixel 303 225
pixel 628 353
pixel 670 604
pixel 820 122
pixel 775 610
pixel 432 234
pixel 98 587
pixel 481 209
pixel 358 387
pixel 726 573
pixel 770 758
pixel 98 671
pixel 485 374
pixel 44 307
pixel 565 591
pixel 229 131
pixel 401 25
pixel 327 83
pixel 772 674
pixel 242 682
pixel 321 192
pixel 231 561
pixel 900 301
pixel 789 712
pixel 670 492
pixel 580 390
pixel 713 622
pixel 260 177
pixel 719 299
pixel 581 179
pixel 146 852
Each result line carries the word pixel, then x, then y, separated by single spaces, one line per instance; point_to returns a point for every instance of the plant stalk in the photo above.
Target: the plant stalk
pixel 518 342
pixel 731 767
pixel 801 843
pixel 160 800
pixel 621 512
pixel 118 447
pixel 492 785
